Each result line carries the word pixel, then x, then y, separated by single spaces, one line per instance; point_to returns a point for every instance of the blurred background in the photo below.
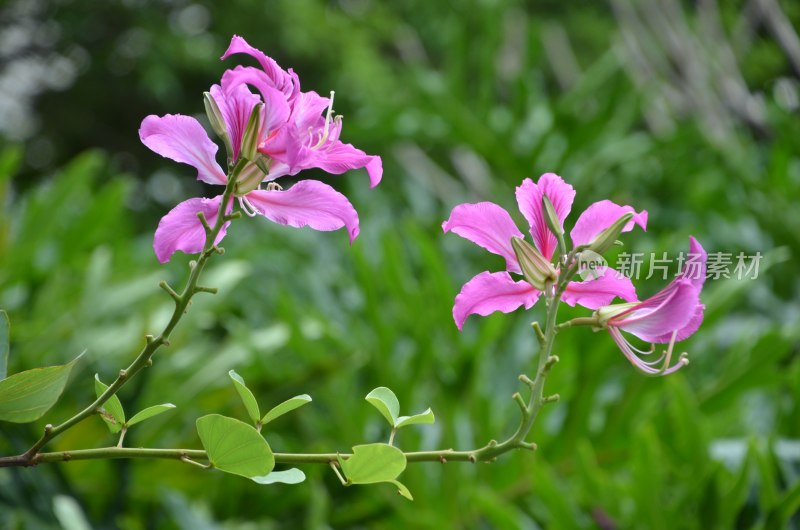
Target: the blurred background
pixel 686 109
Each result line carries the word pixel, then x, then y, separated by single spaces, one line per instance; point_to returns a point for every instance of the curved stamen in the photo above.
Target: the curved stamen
pixel 247 207
pixel 323 137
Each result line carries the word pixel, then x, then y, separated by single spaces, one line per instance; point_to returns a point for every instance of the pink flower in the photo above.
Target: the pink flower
pixel 491 227
pixel 299 132
pixel 284 149
pixel 669 316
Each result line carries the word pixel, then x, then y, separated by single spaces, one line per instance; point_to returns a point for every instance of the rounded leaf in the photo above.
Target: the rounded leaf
pixel 234 446
pixel 417 419
pixel 289 476
pixel 386 402
pixel 373 463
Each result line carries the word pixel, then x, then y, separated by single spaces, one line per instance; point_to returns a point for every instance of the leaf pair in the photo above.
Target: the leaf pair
pixel 235 447
pixel 388 405
pixel 114 415
pixel 26 396
pixel 251 404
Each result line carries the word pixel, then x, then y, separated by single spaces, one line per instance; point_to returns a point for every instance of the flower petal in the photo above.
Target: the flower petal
pixel 595 293
pixel 307 203
pixel 181 230
pixel 487 225
pixel 284 81
pixel 684 332
pixel 695 267
pixel 600 216
pixel 337 158
pixel 670 309
pixel 183 139
pixel 489 292
pixel 529 199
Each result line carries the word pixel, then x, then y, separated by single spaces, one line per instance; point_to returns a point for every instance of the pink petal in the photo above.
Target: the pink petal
pixel 529 199
pixel 695 267
pixel 337 158
pixel 684 332
pixel 595 293
pixel 307 203
pixel 183 140
pixel 487 225
pixel 670 309
pixel 181 230
pixel 489 292
pixel 600 216
pixel 236 105
pixel 284 81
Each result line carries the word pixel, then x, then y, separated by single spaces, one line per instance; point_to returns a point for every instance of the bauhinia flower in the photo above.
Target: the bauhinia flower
pixel 491 227
pixel 267 124
pixel 669 316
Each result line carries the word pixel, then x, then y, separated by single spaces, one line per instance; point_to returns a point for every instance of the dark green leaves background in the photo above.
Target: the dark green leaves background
pixel 462 100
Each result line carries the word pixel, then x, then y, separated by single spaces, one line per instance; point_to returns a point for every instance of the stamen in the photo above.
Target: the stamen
pixel 247 207
pixel 649 367
pixel 274 186
pixel 326 129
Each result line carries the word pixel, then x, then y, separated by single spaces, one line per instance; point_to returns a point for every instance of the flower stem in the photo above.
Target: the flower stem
pixel 152 344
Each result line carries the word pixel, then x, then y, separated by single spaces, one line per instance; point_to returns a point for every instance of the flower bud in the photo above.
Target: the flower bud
pixel 606 313
pixel 250 177
pixel 535 267
pixel 608 237
pixel 216 120
pixel 553 223
pixel 252 133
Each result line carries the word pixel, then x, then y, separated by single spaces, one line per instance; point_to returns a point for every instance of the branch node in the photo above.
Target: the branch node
pixel 523 407
pixel 472 458
pixel 234 215
pixel 66 457
pixel 170 291
pixel 149 339
pixel 123 375
pixel 492 443
pixel 204 222
pixel 527 380
pixel 210 290
pixel 218 250
pixel 149 363
pixel 530 446
pixel 539 333
pixel 48 429
pixel 442 459
pixel 550 399
pixel 165 342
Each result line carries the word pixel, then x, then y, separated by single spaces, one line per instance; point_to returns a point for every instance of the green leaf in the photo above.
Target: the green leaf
pixel 234 446
pixel 386 402
pixel 5 328
pixel 149 412
pixel 417 419
pixel 290 476
pixel 373 463
pixel 287 406
pixel 402 489
pixel 113 413
pixel 248 399
pixel 26 396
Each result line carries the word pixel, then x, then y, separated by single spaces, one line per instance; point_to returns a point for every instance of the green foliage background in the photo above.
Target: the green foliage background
pixel 462 100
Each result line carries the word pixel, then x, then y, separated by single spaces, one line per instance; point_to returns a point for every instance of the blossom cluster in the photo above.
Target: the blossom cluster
pixel 270 129
pixel 671 315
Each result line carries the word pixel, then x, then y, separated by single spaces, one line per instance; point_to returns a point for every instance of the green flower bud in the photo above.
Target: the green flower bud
pixel 535 267
pixel 251 176
pixel 216 120
pixel 553 223
pixel 252 133
pixel 608 237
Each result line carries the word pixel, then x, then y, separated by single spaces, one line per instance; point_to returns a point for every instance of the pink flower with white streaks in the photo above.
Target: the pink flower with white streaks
pixel 282 108
pixel 300 131
pixel 491 227
pixel 671 315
